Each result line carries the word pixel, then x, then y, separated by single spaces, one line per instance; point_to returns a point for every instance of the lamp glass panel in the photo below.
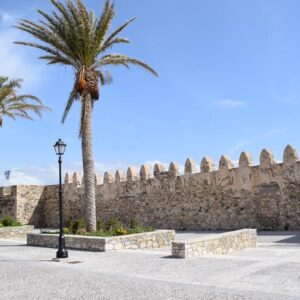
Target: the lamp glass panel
pixel 61 148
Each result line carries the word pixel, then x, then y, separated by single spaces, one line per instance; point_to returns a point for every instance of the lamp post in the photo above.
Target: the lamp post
pixel 60 147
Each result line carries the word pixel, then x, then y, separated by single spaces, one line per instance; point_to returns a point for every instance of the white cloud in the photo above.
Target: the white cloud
pixel 286 99
pixel 238 146
pixel 257 139
pixel 230 103
pixel 31 176
pixel 38 175
pixel 6 18
pixel 18 61
pixel 273 133
pixel 101 167
pixel 42 175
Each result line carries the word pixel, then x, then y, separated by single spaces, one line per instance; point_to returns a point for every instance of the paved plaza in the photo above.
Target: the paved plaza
pixel 271 271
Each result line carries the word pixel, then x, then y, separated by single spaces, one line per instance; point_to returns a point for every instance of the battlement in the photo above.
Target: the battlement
pixel 244 176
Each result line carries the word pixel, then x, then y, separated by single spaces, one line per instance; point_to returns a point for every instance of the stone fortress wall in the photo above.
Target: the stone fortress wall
pixel 266 196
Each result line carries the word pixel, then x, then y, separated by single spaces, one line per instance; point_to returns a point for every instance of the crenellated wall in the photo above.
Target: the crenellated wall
pixel 266 196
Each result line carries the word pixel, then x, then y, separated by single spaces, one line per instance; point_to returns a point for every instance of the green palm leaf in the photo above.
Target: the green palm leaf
pixel 13 105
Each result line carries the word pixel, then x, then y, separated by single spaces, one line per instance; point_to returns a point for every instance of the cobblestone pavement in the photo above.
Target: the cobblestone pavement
pixel 271 271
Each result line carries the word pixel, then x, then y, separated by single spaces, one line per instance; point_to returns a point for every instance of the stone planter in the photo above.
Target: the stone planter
pixel 147 240
pixel 11 232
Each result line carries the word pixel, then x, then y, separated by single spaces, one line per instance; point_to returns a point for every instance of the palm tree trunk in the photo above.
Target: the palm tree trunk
pixel 88 167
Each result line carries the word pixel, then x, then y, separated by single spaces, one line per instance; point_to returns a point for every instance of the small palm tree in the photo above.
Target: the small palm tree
pixel 13 105
pixel 72 36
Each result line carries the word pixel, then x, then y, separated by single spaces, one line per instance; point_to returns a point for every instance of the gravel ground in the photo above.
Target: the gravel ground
pixel 271 271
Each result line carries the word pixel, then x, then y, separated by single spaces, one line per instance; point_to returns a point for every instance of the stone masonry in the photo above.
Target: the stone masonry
pixel 222 243
pixel 266 196
pixel 146 240
pixel 15 231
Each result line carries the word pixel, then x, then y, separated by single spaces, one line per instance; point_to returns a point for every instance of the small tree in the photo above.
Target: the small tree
pixel 13 105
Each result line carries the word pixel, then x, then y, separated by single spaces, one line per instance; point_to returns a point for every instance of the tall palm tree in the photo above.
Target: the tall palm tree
pixel 72 36
pixel 13 105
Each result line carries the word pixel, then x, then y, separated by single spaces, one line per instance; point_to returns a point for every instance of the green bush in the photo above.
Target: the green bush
pixel 67 230
pixel 140 229
pixel 121 231
pixel 113 225
pixel 79 224
pixel 81 231
pixel 8 221
pixel 134 223
pixel 69 225
pixel 100 225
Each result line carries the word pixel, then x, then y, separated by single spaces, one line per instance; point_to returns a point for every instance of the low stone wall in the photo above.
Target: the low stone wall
pixel 217 244
pixel 147 240
pixel 15 231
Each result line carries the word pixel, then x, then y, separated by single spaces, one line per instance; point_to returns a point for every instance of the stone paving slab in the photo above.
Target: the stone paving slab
pixel 78 284
pixel 261 273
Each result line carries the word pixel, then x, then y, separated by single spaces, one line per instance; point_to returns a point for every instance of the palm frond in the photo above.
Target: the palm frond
pixel 112 43
pixel 105 78
pixel 104 22
pixel 115 33
pixel 72 97
pixel 120 59
pixel 13 105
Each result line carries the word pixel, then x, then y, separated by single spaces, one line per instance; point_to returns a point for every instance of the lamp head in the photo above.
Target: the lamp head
pixel 60 147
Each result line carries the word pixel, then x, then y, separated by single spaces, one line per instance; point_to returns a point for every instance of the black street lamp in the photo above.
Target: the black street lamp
pixel 60 147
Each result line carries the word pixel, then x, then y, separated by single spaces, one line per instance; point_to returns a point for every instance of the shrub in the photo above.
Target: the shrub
pixel 79 224
pixel 100 225
pixel 113 227
pixel 8 221
pixel 134 223
pixel 69 225
pixel 81 231
pixel 121 231
pixel 140 229
pixel 67 230
pixel 113 224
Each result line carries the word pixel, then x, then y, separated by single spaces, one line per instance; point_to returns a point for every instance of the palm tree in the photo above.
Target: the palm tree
pixel 13 105
pixel 72 36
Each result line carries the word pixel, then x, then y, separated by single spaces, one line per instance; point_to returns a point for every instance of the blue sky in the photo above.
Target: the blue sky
pixel 229 81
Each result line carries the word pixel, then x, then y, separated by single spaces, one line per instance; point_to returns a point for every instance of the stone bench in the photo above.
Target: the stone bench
pixel 217 244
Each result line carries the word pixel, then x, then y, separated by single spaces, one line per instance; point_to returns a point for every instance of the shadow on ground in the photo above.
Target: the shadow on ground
pixel 286 237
